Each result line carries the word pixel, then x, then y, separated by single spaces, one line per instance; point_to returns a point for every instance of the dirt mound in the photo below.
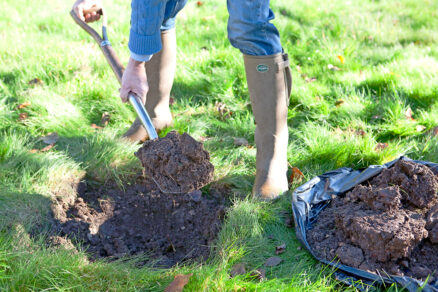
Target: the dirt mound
pixel 416 181
pixel 109 222
pixel 386 225
pixel 178 163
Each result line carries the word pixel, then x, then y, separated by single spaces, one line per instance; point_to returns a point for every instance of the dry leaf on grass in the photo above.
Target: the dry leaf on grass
pixel 420 128
pixel 259 274
pixel 408 114
pixel 296 175
pixel 237 269
pixel 94 126
pixel 23 105
pixel 240 142
pixel 222 109
pixel 280 249
pixel 360 132
pixel 289 222
pixel 105 119
pixel 47 148
pixel 203 139
pixel 309 80
pixel 199 3
pixel 435 131
pixel 178 283
pixel 50 138
pixel 339 102
pixel 35 81
pixel 333 68
pixel 381 146
pixel 23 116
pixel 273 261
pixel 341 58
pixel 237 161
pixel 209 17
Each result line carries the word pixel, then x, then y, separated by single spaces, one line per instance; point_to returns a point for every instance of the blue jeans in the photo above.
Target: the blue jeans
pixel 170 12
pixel 249 27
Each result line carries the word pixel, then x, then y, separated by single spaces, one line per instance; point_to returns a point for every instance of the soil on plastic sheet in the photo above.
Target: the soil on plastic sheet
pixel 140 220
pixel 387 225
pixel 177 163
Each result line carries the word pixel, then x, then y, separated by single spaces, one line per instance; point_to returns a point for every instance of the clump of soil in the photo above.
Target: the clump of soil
pixel 177 163
pixel 110 222
pixel 387 225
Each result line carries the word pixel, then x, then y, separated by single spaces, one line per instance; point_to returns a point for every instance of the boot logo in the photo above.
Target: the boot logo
pixel 262 68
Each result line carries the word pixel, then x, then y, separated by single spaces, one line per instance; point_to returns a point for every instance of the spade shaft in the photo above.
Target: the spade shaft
pixel 143 116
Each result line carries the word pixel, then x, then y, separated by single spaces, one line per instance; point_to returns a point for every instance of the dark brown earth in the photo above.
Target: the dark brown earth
pixel 109 222
pixel 387 225
pixel 177 163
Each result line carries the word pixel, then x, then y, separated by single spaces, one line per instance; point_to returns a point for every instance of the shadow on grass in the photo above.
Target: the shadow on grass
pixel 196 91
pixel 103 157
pixel 10 78
pixel 25 210
pixel 211 83
pixel 12 81
pixel 385 87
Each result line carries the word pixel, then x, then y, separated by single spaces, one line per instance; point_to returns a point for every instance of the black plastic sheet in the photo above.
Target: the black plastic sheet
pixel 312 197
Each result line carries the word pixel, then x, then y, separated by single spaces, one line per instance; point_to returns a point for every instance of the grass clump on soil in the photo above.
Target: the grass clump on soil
pixel 365 85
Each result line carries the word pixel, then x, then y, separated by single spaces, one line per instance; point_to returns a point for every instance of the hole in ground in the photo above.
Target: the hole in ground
pixel 115 223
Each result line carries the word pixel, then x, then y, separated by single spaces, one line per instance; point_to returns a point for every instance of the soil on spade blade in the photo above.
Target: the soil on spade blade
pixel 387 225
pixel 109 222
pixel 177 163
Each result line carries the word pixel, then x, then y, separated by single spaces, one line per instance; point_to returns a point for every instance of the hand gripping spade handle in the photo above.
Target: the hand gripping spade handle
pixel 116 65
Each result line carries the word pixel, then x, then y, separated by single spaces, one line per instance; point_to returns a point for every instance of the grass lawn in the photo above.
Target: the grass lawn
pixel 365 79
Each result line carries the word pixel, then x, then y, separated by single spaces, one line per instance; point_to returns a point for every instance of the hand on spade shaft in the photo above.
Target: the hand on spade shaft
pixel 134 81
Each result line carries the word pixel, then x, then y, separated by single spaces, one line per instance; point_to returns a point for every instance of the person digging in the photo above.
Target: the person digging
pixel 151 69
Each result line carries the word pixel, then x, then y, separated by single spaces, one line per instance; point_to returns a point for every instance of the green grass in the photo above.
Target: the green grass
pixel 390 64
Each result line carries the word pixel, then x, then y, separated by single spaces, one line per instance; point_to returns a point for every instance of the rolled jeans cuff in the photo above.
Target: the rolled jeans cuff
pixel 144 44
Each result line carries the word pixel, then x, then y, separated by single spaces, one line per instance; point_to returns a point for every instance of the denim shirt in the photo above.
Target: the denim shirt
pixel 249 27
pixel 147 19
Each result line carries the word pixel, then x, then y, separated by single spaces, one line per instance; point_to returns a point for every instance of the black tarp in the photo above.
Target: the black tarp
pixel 312 197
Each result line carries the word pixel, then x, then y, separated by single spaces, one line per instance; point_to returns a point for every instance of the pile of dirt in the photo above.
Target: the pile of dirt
pixel 177 163
pixel 109 222
pixel 387 225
